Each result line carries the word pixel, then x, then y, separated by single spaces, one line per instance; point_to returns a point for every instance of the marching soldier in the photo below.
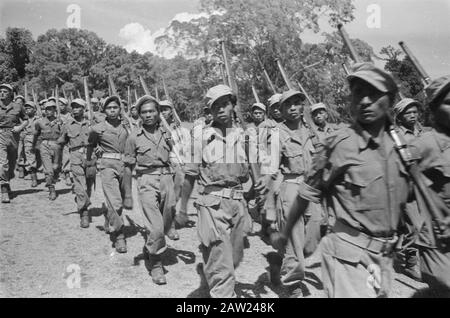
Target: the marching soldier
pixel 148 152
pixel 109 137
pixel 258 112
pixel 28 158
pixel 49 129
pixel 135 120
pixel 360 176
pixel 65 118
pixel 295 156
pixel 11 114
pixel 74 135
pixel 319 115
pixel 433 149
pixel 221 167
pixel 20 100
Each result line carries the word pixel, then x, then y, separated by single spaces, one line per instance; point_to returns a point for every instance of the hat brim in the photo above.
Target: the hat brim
pixel 7 86
pixel 445 89
pixel 368 78
pixel 290 95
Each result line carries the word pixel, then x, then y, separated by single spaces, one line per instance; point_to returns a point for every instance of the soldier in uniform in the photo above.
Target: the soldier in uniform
pixel 148 152
pixel 109 137
pixel 74 135
pixel 360 175
pixel 11 114
pixel 433 149
pixel 319 115
pixel 135 120
pixel 49 129
pixel 221 167
pixel 28 158
pixel 258 113
pixel 20 100
pixel 66 117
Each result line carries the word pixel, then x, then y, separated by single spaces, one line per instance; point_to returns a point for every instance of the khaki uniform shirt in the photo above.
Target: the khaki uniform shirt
pixel 11 114
pixel 76 134
pixel 48 130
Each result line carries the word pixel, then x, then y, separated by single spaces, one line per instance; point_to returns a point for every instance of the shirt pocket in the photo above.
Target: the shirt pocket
pixel 367 187
pixel 294 158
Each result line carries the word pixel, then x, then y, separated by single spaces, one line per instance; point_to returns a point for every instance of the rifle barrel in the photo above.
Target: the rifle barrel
pixel 255 94
pixel 345 38
pixel 284 75
pixel 415 62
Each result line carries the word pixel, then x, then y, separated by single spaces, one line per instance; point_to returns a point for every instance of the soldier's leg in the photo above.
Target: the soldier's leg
pixel 66 166
pixel 435 268
pixel 149 197
pixel 4 167
pixel 221 228
pixel 168 203
pixel 30 161
pixel 47 163
pixel 293 267
pixel 21 158
pixel 313 228
pixel 81 195
pixel 345 270
pixel 113 197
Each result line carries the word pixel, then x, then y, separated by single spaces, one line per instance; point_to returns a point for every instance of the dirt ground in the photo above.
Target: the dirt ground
pixel 44 253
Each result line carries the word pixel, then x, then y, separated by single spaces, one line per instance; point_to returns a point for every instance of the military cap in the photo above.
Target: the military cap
pixel 403 104
pixel 437 89
pixel 31 104
pixel 373 75
pixel 110 99
pixel 20 96
pixel 49 103
pixel 318 106
pixel 51 98
pixel 260 106
pixel 79 102
pixel 216 92
pixel 63 100
pixel 43 101
pixel 144 100
pixel 166 103
pixel 275 98
pixel 8 86
pixel 290 93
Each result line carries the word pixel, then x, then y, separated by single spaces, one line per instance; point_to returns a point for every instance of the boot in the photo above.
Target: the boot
pixel 173 233
pixel 84 221
pixel 52 194
pixel 34 181
pixel 5 193
pixel 21 172
pixel 120 244
pixel 68 179
pixel 157 270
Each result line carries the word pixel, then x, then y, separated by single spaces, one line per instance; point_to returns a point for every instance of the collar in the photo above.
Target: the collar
pixel 363 137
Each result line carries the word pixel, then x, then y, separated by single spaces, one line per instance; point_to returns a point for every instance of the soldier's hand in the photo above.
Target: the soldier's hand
pixel 128 203
pixel 261 184
pixel 16 129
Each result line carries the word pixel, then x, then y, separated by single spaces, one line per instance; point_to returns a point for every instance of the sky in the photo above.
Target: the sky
pixel 423 24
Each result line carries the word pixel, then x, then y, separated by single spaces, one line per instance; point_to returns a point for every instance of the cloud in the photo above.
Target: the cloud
pixel 138 38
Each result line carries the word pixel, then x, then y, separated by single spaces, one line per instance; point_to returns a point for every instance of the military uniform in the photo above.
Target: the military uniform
pixel 75 136
pixel 223 222
pixel 66 169
pixel 28 157
pixel 10 116
pixel 149 154
pixel 111 142
pixel 49 131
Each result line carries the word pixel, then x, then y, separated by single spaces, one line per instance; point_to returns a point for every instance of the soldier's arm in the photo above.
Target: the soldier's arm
pixel 64 138
pixel 36 133
pixel 92 143
pixel 130 162
pixel 24 117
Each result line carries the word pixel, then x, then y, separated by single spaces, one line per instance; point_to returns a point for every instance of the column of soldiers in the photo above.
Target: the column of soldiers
pixel 350 192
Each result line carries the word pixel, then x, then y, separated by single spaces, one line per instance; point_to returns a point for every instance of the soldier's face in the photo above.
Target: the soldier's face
pixel 50 111
pixel 62 107
pixel 95 107
pixel 258 115
pixel 149 114
pixel 134 112
pixel 442 113
pixel 292 109
pixel 368 104
pixel 20 101
pixel 5 94
pixel 77 110
pixel 112 110
pixel 275 111
pixel 320 117
pixel 166 112
pixel 30 111
pixel 410 116
pixel 208 118
pixel 222 110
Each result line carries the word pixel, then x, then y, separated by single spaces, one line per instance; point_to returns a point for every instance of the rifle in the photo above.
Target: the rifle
pixel 129 100
pixel 255 94
pixel 79 95
pixel 35 100
pixel 344 66
pixel 88 101
pixel 135 96
pixel 157 93
pixel 175 114
pixel 163 122
pixel 224 77
pixel 307 117
pixel 233 85
pixel 25 92
pixel 58 111
pixel 423 74
pixel 440 229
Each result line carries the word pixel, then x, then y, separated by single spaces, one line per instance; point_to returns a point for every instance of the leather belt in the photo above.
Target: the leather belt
pixel 110 155
pixel 373 244
pixel 154 170
pixel 228 193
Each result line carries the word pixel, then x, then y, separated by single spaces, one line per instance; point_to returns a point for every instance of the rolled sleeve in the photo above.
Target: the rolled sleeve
pixel 130 151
